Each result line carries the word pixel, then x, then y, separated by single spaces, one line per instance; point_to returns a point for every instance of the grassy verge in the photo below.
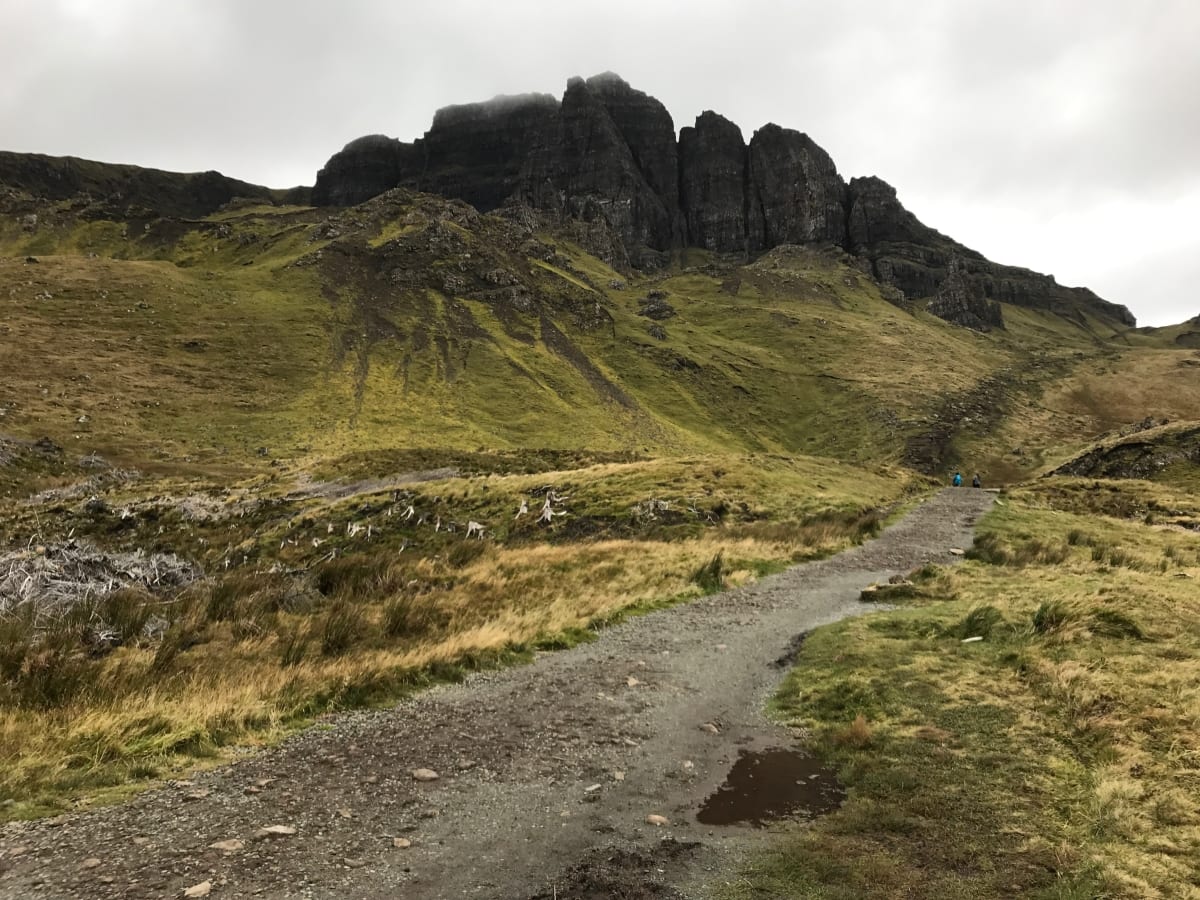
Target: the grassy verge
pixel 1055 758
pixel 291 630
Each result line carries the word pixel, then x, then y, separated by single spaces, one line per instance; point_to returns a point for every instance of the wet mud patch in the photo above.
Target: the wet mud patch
pixel 766 785
pixel 616 874
pixel 795 645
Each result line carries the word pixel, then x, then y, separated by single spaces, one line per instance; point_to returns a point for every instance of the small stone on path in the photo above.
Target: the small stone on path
pixel 90 863
pixel 710 727
pixel 424 775
pixel 197 795
pixel 275 831
pixel 592 788
pixel 657 821
pixel 401 843
pixel 203 889
pixel 957 551
pixel 345 813
pixel 230 846
pixel 353 863
pixel 632 682
pixel 17 851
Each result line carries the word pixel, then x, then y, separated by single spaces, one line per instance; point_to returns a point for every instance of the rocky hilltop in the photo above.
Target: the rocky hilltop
pixel 607 155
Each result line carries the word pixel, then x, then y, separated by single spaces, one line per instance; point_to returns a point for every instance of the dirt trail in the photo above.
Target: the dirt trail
pixel 515 812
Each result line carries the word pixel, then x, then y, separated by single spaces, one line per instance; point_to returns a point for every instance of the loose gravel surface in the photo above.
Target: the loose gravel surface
pixel 541 777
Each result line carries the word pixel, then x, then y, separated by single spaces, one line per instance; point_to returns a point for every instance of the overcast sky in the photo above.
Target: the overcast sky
pixel 1060 135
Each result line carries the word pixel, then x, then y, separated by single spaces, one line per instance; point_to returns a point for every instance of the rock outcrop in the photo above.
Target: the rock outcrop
pixel 712 183
pixel 795 193
pixel 960 300
pixel 365 168
pixel 918 260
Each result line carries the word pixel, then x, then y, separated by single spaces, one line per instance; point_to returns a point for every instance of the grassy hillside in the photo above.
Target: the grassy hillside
pixel 253 442
pixel 414 322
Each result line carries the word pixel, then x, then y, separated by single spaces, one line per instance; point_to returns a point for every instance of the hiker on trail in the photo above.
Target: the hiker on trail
pixel 975 482
pixel 956 480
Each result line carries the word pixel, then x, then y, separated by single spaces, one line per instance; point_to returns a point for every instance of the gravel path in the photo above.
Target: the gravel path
pixel 546 773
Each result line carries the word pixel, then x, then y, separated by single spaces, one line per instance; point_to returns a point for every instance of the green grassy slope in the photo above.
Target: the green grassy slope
pixel 414 322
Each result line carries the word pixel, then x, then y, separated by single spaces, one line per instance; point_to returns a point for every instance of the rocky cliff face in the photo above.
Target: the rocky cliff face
pixel 919 260
pixel 605 162
pixel 712 183
pixel 795 193
pixel 960 300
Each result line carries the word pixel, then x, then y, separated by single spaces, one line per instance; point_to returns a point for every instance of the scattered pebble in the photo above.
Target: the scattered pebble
pixel 632 682
pixel 657 820
pixel 275 831
pixel 424 775
pixel 230 846
pixel 90 863
pixel 345 813
pixel 592 788
pixel 401 843
pixel 203 889
pixel 710 727
pixel 957 551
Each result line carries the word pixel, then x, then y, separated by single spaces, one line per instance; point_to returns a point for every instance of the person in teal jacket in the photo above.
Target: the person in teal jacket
pixel 957 479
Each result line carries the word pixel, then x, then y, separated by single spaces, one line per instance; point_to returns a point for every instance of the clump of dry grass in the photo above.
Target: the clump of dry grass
pixel 356 628
pixel 856 735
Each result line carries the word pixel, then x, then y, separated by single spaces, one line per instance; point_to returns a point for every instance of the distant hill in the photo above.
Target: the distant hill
pixel 124 191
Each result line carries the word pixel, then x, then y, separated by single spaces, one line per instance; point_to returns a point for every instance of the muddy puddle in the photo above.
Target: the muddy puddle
pixel 765 785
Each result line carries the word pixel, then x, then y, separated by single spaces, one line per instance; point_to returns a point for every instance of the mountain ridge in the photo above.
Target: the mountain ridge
pixel 608 152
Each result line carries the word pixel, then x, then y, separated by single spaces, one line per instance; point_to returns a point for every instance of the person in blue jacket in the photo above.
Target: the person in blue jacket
pixel 957 479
